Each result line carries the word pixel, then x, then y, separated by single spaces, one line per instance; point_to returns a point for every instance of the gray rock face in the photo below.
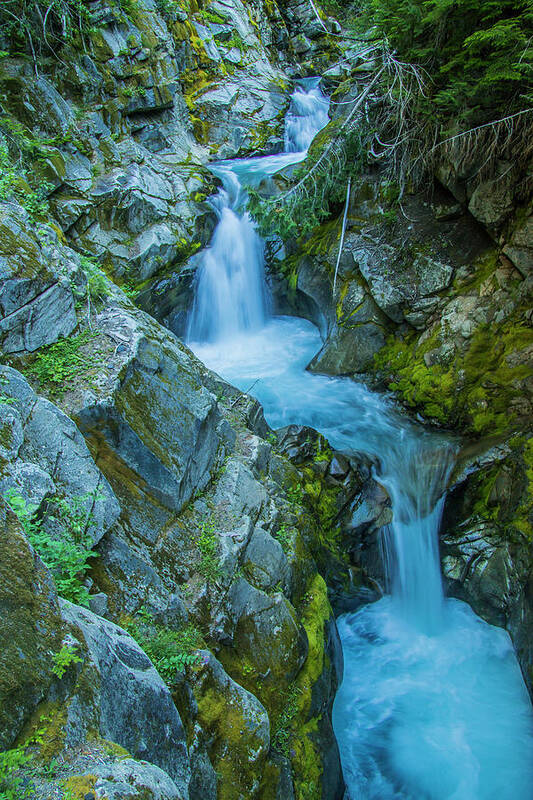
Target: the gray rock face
pixel 35 309
pixel 255 615
pixel 395 288
pixel 47 455
pixel 520 247
pixel 42 321
pixel 134 780
pixel 127 699
pixel 169 452
pixel 265 563
pixel 487 559
pixel 236 726
pixel 492 202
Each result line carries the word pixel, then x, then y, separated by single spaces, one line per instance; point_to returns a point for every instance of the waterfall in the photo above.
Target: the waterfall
pixel 415 474
pixel 230 293
pixel 231 297
pixel 308 113
pixel 432 705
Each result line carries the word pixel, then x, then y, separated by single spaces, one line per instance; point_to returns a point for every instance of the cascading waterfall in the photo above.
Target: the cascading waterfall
pixel 415 474
pixel 230 292
pixel 308 113
pixel 433 705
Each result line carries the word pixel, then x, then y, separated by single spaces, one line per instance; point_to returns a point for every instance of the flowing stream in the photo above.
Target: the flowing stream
pixel 432 705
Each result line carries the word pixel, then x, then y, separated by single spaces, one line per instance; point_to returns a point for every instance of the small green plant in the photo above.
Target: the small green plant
pixel 295 495
pixel 207 543
pixel 13 785
pixel 170 651
pixel 67 554
pixel 97 280
pixel 58 364
pixel 236 41
pixel 19 766
pixel 64 659
pixel 14 186
pixel 283 729
pixel 285 535
pixel 168 6
pixel 323 452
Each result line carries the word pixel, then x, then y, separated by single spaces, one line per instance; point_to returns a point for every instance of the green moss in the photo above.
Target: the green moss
pixel 232 743
pixel 46 728
pixel 80 785
pixel 316 613
pixel 307 763
pixel 294 731
pixel 524 513
pixel 475 390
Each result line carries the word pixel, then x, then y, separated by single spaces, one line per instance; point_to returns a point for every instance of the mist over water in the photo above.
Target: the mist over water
pixel 433 705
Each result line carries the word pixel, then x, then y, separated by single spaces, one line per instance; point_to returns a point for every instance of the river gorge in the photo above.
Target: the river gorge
pixel 266 390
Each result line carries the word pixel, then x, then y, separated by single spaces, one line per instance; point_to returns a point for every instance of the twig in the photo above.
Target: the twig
pixel 348 190
pixel 318 16
pixel 243 394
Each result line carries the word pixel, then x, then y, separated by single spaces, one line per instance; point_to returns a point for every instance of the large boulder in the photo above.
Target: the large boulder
pixel 128 780
pixel 36 306
pixel 486 543
pixel 118 691
pixel 157 429
pixel 237 727
pixel 45 456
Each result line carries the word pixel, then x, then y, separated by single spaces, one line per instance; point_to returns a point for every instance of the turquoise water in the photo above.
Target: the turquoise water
pixel 432 705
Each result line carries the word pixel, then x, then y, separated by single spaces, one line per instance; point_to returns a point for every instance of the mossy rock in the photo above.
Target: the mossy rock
pixel 237 729
pixel 31 628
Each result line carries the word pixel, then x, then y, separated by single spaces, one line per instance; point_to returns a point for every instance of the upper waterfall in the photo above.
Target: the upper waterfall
pixel 231 296
pixel 308 113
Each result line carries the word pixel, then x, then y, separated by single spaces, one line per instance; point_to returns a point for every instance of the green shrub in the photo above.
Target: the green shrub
pixel 170 651
pixel 62 660
pixel 66 553
pixel 15 188
pixel 98 283
pixel 207 543
pixel 479 55
pixel 13 784
pixel 58 364
pixel 283 729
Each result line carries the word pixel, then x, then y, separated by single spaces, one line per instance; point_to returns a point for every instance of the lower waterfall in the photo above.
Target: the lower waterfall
pixel 432 705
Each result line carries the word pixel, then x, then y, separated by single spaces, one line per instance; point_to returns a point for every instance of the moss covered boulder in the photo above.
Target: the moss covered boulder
pixel 31 630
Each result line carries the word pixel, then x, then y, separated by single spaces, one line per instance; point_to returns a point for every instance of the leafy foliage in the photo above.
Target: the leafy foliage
pixel 67 551
pixel 337 153
pixel 283 729
pixel 63 660
pixel 98 284
pixel 14 186
pixel 59 363
pixel 13 785
pixel 20 766
pixel 170 651
pixel 207 543
pixel 479 55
